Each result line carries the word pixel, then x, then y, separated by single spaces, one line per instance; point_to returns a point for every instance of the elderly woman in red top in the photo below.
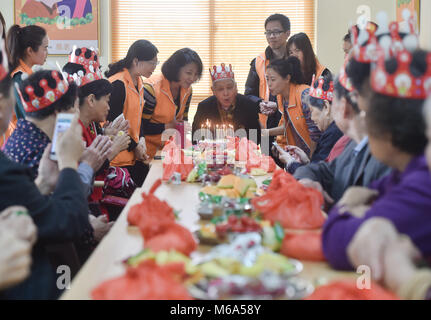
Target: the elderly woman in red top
pixel 94 93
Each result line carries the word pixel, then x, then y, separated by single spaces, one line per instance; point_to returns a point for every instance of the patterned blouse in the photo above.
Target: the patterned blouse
pixel 313 130
pixel 26 145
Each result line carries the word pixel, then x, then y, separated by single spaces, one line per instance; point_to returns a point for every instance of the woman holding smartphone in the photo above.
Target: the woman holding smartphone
pixel 286 81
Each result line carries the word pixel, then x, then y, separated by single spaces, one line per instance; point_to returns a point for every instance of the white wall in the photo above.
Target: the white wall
pixel 425 31
pixel 6 8
pixel 333 18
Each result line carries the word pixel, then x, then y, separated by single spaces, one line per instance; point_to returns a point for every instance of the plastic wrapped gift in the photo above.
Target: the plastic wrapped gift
pixel 148 281
pixel 290 203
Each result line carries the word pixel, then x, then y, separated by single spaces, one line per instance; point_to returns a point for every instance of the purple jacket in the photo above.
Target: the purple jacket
pixel 405 199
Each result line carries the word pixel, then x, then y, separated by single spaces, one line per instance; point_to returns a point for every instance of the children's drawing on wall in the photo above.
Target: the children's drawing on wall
pixel 414 6
pixel 68 22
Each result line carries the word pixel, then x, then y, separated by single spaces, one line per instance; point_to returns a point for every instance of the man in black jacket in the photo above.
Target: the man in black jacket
pixel 277 31
pixel 226 108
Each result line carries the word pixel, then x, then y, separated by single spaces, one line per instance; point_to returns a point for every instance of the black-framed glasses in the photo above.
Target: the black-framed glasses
pixel 275 33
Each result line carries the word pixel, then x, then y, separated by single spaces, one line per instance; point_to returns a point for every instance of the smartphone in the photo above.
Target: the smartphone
pixel 62 123
pixel 277 146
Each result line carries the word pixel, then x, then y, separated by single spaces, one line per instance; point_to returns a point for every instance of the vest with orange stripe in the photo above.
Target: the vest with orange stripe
pixel 132 111
pixel 319 69
pixel 295 115
pixel 165 110
pixel 22 67
pixel 261 63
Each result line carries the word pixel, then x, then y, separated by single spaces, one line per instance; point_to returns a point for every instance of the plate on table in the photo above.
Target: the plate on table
pixel 268 286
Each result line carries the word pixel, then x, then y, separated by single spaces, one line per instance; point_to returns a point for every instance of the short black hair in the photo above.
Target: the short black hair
pixel 358 73
pixel 290 66
pixel 402 119
pixel 320 103
pixel 284 21
pixel 99 88
pixel 342 92
pixel 347 38
pixel 180 58
pixel 65 103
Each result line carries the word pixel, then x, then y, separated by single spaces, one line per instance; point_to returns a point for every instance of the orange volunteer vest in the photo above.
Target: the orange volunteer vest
pixel 133 106
pixel 165 109
pixel 295 116
pixel 260 64
pixel 22 67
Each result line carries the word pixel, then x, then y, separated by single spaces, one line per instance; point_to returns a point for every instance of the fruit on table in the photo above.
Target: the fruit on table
pixel 232 186
pixel 227 182
pixel 230 193
pixel 211 190
pixel 243 185
pixel 225 171
pixel 267 262
pixel 269 239
pixel 162 258
pixel 193 176
pixel 258 172
pixel 249 194
pixel 253 271
pixel 237 224
pixel 212 177
pixel 221 267
pixel 212 269
pixel 208 231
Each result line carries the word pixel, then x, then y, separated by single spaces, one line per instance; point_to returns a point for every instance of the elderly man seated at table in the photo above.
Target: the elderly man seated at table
pixel 227 108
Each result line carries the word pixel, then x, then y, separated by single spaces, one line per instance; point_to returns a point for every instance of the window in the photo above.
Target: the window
pixel 229 31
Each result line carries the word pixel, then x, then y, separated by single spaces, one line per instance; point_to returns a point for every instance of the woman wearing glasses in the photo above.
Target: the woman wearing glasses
pixel 168 104
pixel 127 98
pixel 300 46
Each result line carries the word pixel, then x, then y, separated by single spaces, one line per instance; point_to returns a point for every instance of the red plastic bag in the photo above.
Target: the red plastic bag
pixel 264 162
pixel 156 221
pixel 172 237
pixel 306 246
pixel 348 290
pixel 151 214
pixel 148 281
pixel 176 161
pixel 246 150
pixel 290 203
pixel 232 143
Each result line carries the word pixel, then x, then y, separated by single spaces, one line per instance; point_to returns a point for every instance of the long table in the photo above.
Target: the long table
pixel 124 241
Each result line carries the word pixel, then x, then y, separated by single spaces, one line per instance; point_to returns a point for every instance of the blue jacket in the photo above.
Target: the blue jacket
pixel 324 146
